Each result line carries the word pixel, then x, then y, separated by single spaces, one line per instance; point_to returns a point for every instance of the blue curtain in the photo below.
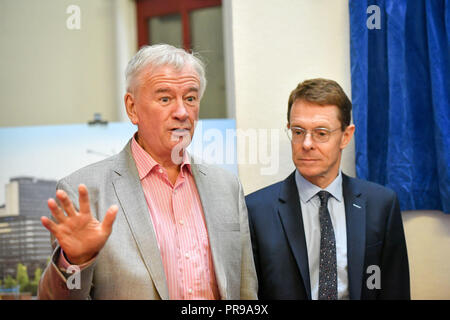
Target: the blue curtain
pixel 401 98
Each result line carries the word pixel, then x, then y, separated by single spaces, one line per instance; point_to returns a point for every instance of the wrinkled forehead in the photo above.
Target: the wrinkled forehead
pixel 155 78
pixel 168 71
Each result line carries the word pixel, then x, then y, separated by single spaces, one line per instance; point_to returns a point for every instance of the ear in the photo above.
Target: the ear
pixel 347 136
pixel 131 108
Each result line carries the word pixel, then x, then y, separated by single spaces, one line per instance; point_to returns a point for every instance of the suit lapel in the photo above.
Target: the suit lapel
pixel 214 219
pixel 132 201
pixel 355 215
pixel 291 218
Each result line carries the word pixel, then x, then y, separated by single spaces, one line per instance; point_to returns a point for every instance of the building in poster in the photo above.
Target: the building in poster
pixel 23 239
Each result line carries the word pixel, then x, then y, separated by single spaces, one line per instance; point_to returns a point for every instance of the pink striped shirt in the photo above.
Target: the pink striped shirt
pixel 179 224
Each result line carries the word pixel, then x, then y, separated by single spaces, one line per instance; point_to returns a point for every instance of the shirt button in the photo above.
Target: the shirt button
pixel 181 222
pixel 186 255
pixel 190 290
pixel 160 170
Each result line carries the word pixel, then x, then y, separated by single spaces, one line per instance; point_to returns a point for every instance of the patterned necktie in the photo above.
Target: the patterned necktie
pixel 327 264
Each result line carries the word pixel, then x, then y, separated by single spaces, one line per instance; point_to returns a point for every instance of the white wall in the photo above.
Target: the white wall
pixel 427 236
pixel 53 75
pixel 274 46
pixel 126 46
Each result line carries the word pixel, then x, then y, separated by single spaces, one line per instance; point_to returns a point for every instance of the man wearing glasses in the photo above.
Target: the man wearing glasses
pixel 320 234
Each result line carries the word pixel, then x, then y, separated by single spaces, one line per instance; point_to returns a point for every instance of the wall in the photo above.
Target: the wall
pixel 274 46
pixel 428 241
pixel 53 75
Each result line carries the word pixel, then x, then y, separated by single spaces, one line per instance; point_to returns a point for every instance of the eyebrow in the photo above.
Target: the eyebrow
pixel 165 90
pixel 317 127
pixel 162 90
pixel 195 89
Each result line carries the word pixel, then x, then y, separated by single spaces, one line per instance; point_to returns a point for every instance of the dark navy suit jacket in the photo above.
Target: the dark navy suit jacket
pixel 375 236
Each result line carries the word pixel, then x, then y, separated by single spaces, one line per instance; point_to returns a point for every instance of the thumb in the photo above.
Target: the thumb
pixel 109 219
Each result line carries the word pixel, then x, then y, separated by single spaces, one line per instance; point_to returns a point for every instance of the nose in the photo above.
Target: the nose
pixel 180 112
pixel 307 141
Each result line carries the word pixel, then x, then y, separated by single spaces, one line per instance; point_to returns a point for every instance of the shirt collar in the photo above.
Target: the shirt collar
pixel 145 163
pixel 307 190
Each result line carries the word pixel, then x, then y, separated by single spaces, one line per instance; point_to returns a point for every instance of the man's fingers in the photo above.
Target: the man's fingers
pixel 66 203
pixel 110 216
pixel 84 199
pixel 57 213
pixel 49 225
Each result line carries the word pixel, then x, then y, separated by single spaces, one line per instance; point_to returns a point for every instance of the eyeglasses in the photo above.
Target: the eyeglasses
pixel 320 135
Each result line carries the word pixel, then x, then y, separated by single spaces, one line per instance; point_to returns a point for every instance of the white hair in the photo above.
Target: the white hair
pixel 163 55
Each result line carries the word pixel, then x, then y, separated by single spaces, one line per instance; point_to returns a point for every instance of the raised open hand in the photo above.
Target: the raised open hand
pixel 79 234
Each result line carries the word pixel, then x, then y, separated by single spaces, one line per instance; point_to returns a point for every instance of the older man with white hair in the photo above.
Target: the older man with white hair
pixel 149 222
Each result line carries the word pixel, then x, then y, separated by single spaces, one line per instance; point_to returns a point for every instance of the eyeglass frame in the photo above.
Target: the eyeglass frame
pixel 311 132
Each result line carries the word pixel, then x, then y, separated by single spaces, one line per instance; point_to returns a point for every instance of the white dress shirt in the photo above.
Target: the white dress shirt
pixel 310 203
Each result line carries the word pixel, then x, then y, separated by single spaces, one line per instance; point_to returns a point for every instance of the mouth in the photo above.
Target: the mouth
pixel 306 161
pixel 180 131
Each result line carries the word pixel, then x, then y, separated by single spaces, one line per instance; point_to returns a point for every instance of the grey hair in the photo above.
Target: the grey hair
pixel 162 55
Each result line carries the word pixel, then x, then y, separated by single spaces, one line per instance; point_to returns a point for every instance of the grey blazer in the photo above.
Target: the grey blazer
pixel 129 266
